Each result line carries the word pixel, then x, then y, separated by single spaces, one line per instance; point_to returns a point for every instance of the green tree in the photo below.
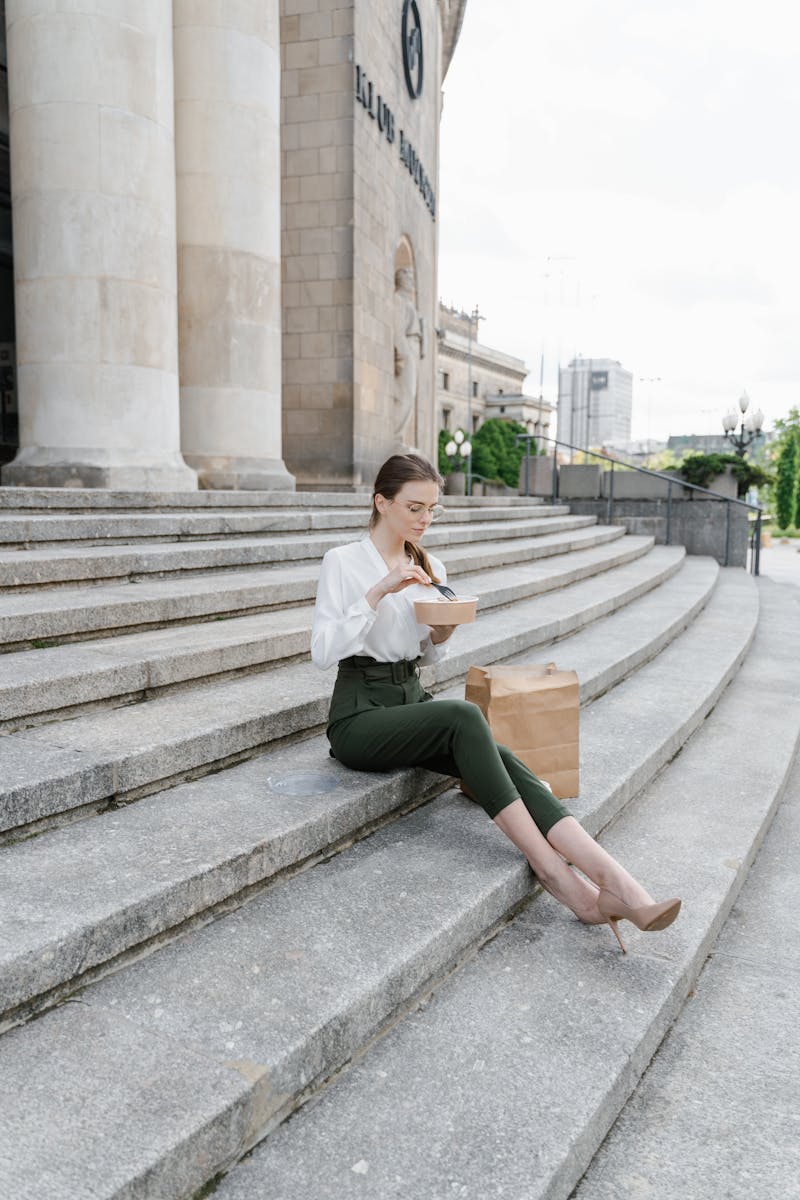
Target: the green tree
pixel 665 460
pixel 786 480
pixel 445 463
pixel 496 453
pixel 792 421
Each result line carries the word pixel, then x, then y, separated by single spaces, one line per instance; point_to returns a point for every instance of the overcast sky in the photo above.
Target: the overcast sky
pixel 622 180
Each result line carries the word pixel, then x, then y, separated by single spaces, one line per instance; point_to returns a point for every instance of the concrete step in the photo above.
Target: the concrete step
pixel 719 1100
pixel 235 1024
pixel 26 569
pixel 548 1028
pixel 66 565
pixel 91 499
pixel 291 806
pixel 39 683
pixel 102 528
pixel 80 764
pixel 28 617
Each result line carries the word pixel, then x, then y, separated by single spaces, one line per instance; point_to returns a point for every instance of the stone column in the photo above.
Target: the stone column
pixel 227 144
pixel 93 203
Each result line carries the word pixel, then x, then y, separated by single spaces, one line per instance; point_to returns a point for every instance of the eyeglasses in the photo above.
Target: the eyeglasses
pixel 436 510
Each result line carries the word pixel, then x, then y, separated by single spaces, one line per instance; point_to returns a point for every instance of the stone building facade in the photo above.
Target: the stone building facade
pixel 224 238
pixel 494 378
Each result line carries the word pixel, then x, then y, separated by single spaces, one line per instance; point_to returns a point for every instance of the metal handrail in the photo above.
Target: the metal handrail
pixel 670 480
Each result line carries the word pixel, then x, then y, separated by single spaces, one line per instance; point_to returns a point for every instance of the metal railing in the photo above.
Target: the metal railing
pixel 754 538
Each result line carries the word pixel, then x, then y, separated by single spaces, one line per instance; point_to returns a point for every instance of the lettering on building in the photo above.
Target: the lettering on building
pixel 375 105
pixel 408 156
pixel 379 111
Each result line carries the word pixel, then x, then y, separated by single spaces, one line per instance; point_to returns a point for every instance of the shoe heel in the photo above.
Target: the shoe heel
pixel 615 929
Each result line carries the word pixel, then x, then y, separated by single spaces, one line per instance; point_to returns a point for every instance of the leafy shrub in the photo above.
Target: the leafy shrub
pixel 496 453
pixel 446 465
pixel 701 469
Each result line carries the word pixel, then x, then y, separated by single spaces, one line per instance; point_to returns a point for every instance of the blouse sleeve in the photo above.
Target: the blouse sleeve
pixel 337 632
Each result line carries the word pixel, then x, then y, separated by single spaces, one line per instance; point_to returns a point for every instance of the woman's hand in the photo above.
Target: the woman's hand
pixel 440 633
pixel 398 578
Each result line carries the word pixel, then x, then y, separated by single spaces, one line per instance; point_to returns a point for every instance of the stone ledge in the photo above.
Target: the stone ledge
pixel 59 678
pixel 200 728
pixel 198 859
pixel 718 1099
pixel 121 528
pixel 298 1029
pixel 550 1001
pixel 100 564
pixel 120 606
pixel 101 498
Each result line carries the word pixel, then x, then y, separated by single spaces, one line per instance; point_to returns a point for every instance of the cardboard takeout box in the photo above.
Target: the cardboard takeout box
pixel 442 611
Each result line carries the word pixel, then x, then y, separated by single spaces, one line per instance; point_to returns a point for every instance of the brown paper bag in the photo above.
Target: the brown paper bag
pixel 534 710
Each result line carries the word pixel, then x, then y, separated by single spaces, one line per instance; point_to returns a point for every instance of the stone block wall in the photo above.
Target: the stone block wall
pixel 700 527
pixel 536 475
pixel 390 208
pixel 317 216
pixel 353 207
pixel 582 481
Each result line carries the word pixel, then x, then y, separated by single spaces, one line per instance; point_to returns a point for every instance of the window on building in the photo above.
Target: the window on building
pixel 474 387
pixel 446 414
pixel 445 381
pixel 476 421
pixel 502 408
pixel 500 391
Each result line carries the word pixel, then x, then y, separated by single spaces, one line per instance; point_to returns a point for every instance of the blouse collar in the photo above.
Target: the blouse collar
pixel 376 554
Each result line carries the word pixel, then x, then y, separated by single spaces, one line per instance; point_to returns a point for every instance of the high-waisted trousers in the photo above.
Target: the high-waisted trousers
pixel 381 718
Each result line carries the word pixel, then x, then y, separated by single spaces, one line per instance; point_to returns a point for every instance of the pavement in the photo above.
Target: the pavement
pixel 781 561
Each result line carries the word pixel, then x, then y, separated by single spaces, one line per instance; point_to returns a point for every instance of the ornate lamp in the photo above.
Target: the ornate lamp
pixel 751 426
pixel 458 446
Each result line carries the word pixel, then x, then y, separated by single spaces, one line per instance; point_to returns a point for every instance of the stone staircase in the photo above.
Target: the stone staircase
pixel 207 921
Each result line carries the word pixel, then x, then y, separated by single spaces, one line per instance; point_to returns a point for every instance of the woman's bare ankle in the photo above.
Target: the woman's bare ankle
pixel 574 892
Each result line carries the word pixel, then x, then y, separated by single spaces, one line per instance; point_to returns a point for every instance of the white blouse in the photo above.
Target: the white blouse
pixel 344 622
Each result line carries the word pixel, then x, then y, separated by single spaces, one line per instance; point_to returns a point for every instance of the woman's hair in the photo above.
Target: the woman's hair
pixel 396 471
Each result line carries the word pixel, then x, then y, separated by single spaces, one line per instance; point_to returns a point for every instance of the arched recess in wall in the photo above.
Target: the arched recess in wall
pixel 409 345
pixel 404 257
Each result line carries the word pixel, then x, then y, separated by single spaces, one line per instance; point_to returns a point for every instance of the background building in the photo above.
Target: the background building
pixel 225 239
pixel 699 443
pixel 595 399
pixel 635 452
pixel 495 380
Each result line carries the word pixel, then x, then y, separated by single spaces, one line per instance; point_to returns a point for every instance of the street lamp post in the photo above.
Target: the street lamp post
pixel 473 316
pixel 751 426
pixel 649 379
pixel 461 447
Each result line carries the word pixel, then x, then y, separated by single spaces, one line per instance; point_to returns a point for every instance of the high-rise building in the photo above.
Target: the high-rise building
pixel 595 396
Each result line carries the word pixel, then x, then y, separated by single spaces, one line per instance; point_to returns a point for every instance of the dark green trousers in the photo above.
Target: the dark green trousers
pixel 380 718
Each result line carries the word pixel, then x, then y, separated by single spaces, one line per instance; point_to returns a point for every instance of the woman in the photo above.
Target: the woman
pixel 380 717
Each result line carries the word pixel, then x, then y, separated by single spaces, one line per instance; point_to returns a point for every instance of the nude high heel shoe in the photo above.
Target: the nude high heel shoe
pixel 648 917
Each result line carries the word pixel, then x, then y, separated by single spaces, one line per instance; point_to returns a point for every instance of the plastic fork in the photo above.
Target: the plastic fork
pixel 447 592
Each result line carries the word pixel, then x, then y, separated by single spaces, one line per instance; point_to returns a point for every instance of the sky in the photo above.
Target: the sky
pixel 622 180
